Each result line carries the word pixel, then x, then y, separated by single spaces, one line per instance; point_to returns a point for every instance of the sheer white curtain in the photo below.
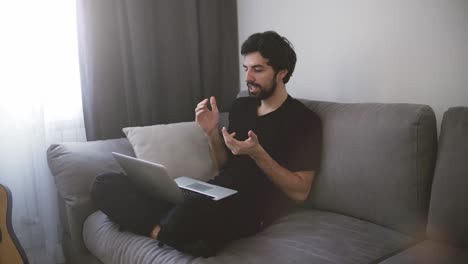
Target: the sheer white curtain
pixel 40 104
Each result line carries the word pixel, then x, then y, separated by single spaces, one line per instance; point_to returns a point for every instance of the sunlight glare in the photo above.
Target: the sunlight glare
pixel 39 58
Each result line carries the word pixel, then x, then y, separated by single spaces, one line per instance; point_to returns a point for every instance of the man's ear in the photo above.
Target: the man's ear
pixel 281 74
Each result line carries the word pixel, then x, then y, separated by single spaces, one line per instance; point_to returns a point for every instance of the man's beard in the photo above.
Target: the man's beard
pixel 263 93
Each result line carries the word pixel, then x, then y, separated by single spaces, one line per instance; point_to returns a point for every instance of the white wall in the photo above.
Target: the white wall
pixel 413 51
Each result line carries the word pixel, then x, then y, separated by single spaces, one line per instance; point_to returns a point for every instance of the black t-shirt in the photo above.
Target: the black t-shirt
pixel 291 135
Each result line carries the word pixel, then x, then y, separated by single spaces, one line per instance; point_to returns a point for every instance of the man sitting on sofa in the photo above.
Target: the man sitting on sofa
pixel 269 154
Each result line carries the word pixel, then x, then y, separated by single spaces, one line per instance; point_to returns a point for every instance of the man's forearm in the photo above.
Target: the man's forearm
pixel 295 184
pixel 217 148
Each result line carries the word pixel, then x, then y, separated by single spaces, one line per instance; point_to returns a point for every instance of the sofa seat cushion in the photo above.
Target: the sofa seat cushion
pixel 429 252
pixel 308 236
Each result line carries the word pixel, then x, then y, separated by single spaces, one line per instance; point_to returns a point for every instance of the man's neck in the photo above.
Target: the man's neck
pixel 273 102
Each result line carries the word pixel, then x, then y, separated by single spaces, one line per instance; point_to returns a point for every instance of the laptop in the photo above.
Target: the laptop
pixel 153 179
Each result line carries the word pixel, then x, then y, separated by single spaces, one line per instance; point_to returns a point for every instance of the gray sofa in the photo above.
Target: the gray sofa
pixel 370 203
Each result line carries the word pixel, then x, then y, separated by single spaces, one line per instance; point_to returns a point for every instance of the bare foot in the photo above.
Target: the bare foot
pixel 155 232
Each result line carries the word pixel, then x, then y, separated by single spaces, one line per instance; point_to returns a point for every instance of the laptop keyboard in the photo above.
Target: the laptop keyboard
pixel 188 194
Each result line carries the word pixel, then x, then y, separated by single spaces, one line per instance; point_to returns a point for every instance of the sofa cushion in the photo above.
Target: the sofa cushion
pixel 377 162
pixel 430 252
pixel 448 215
pixel 181 147
pixel 307 236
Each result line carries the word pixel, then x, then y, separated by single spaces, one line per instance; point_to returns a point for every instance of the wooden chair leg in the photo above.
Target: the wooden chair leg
pixel 11 251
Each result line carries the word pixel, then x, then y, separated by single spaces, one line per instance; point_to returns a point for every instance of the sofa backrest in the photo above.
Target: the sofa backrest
pixel 377 162
pixel 448 214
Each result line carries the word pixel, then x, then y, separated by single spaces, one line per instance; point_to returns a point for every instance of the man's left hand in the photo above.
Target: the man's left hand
pixel 250 146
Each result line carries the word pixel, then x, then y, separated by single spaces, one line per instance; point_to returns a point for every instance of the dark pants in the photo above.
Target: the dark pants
pixel 214 222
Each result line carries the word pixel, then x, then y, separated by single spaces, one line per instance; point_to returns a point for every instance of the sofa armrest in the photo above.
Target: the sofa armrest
pixel 448 212
pixel 74 166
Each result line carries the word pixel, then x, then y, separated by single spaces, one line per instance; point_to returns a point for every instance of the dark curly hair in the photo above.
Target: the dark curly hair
pixel 276 49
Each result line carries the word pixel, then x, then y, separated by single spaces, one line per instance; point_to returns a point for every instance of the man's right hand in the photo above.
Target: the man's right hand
pixel 206 119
